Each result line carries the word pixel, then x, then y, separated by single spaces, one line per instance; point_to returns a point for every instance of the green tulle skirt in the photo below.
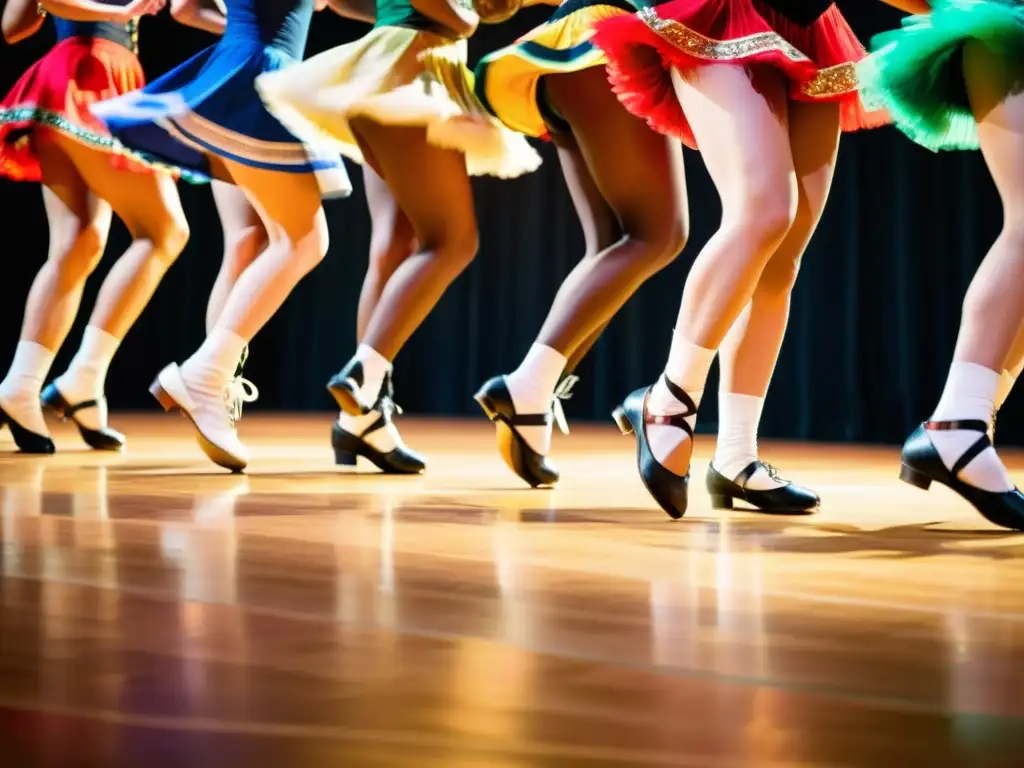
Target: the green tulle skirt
pixel 916 72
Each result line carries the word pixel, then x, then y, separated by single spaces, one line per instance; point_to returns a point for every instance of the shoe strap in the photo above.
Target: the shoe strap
pixel 965 425
pixel 71 410
pixel 959 425
pixel 677 420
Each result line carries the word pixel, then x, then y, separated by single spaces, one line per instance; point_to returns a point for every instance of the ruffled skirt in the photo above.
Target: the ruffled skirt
pixel 209 106
pixel 55 94
pixel 508 81
pixel 818 59
pixel 916 73
pixel 397 76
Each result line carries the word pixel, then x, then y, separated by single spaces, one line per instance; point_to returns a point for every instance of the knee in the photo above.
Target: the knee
pixel 311 248
pixel 169 237
pixel 76 262
pixel 766 210
pixel 390 249
pixel 663 240
pixel 242 247
pixel 456 249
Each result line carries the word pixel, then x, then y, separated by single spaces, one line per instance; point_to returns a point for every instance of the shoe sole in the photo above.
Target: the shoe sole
pixel 216 454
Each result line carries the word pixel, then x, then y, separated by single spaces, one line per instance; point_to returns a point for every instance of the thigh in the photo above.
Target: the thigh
pixel 997 100
pixel 147 203
pixel 234 210
pixel 70 204
pixel 429 183
pixel 599 222
pixel 638 172
pixel 814 131
pixel 288 203
pixel 742 131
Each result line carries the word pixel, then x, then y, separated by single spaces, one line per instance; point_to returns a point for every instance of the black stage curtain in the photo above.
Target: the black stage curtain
pixel 873 326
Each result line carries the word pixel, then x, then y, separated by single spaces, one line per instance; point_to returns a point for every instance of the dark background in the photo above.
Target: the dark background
pixel 873 326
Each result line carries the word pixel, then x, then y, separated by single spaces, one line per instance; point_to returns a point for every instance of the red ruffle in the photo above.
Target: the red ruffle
pixel 54 94
pixel 639 58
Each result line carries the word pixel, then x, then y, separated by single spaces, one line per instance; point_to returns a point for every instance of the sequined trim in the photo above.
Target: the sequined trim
pixel 827 83
pixel 56 121
pixel 701 47
pixel 832 81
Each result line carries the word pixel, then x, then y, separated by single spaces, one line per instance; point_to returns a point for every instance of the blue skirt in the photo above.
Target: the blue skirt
pixel 209 105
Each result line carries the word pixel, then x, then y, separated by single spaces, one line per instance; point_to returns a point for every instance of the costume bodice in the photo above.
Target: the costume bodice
pixel 282 24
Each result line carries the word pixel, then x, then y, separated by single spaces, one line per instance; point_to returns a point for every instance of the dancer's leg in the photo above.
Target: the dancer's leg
pixel 992 312
pixel 432 188
pixel 289 205
pixel 601 228
pixel 245 238
pixel 392 241
pixel 750 350
pixel 79 222
pixel 1011 369
pixel 639 176
pixel 743 134
pixel 149 206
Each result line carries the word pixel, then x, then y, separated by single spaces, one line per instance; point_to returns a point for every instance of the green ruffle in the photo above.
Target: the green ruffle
pixel 915 73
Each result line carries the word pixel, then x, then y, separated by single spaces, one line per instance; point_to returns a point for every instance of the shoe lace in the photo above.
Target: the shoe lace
pixel 238 392
pixel 773 473
pixel 563 392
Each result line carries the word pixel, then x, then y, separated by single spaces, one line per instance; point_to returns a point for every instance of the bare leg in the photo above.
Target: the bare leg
pixel 392 241
pixel 748 355
pixel 149 206
pixel 245 238
pixel 79 222
pixel 442 218
pixel 992 311
pixel 744 138
pixel 289 205
pixel 632 173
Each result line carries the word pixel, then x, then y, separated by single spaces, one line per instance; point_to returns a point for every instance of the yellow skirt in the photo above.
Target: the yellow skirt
pixel 507 80
pixel 396 76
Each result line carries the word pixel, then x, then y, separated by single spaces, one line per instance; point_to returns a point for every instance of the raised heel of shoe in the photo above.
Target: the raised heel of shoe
pixel 912 477
pixel 718 501
pixel 345 458
pixel 622 420
pixel 166 401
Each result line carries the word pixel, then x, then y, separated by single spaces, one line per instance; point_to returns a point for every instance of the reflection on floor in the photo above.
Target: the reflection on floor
pixel 157 611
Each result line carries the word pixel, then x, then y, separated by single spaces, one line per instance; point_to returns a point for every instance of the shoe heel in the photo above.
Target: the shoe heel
pixel 914 478
pixel 721 502
pixel 345 458
pixel 622 421
pixel 166 401
pixel 486 405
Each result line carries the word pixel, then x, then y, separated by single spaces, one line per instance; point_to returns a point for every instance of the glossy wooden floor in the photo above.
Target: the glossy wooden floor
pixel 156 611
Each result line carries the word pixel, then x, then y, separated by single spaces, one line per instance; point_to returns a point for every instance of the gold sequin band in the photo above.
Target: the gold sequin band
pixel 832 81
pixel 827 83
pixel 39 8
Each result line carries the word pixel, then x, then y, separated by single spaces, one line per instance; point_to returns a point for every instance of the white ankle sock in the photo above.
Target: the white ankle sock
pixel 384 440
pixel 738 418
pixel 687 367
pixel 969 394
pixel 21 388
pixel 213 365
pixel 85 377
pixel 532 386
pixel 375 368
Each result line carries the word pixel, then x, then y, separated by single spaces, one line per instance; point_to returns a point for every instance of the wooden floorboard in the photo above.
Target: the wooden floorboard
pixel 155 610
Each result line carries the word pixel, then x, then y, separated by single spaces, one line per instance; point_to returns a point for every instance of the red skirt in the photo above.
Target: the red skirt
pixel 818 60
pixel 55 94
